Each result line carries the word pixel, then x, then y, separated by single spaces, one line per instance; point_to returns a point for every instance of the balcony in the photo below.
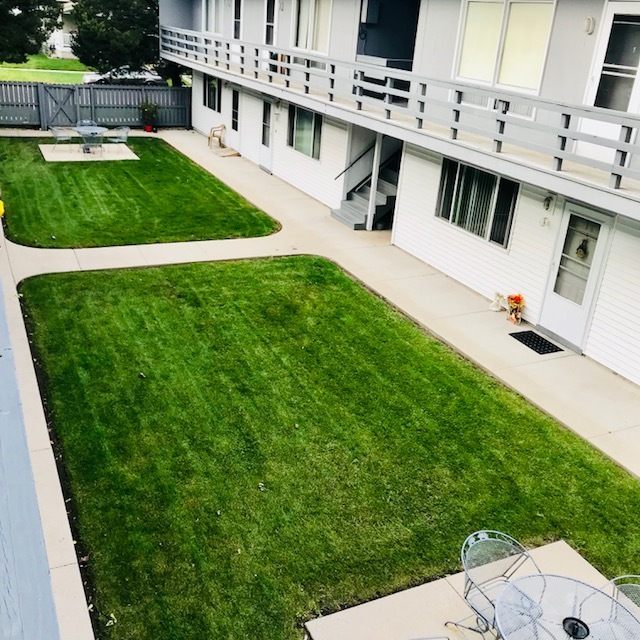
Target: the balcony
pixel 585 153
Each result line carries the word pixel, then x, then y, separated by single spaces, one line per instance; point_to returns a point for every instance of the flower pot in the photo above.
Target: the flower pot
pixel 148 128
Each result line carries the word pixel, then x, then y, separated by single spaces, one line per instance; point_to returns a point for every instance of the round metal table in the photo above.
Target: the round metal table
pixel 91 136
pixel 550 607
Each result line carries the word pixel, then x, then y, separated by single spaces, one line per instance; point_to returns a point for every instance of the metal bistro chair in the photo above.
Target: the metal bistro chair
pixel 91 142
pixel 626 590
pixel 61 135
pixel 490 559
pixel 118 135
pixel 86 123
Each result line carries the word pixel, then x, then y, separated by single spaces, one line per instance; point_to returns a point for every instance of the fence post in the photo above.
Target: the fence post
pixel 42 104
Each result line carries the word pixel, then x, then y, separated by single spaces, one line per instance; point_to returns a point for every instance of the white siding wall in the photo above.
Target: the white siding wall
pixel 204 118
pixel 614 339
pixel 481 266
pixel 314 177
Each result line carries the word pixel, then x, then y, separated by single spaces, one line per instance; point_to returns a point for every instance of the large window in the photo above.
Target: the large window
pixel 212 97
pixel 212 10
pixel 477 201
pixel 237 18
pixel 305 131
pixel 505 42
pixel 270 22
pixel 313 19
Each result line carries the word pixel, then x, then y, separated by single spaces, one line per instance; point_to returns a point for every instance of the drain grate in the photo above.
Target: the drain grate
pixel 536 342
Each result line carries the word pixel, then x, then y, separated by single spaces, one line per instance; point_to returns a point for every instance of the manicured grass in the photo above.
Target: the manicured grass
pixel 163 197
pixel 41 61
pixel 33 75
pixel 251 443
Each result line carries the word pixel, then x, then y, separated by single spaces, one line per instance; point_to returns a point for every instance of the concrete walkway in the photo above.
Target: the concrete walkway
pixel 589 399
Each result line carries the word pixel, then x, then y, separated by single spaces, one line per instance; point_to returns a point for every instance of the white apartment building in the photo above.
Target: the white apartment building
pixel 495 138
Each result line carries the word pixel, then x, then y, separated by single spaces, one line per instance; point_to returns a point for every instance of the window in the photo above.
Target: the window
pixel 235 103
pixel 237 15
pixel 477 201
pixel 270 22
pixel 266 123
pixel 312 25
pixel 212 9
pixel 305 131
pixel 212 97
pixel 505 42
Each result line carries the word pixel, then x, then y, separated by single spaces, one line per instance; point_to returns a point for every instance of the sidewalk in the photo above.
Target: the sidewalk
pixel 584 396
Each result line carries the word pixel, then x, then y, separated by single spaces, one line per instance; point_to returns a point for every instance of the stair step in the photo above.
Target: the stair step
pixel 356 207
pixel 387 188
pixel 363 196
pixel 390 175
pixel 350 219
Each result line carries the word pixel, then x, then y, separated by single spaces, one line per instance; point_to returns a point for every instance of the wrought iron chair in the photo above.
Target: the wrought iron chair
pixel 118 135
pixel 490 559
pixel 61 135
pixel 86 123
pixel 626 590
pixel 91 142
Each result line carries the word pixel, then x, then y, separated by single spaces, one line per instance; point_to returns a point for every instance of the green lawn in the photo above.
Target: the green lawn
pixel 41 61
pixel 48 77
pixel 251 443
pixel 163 197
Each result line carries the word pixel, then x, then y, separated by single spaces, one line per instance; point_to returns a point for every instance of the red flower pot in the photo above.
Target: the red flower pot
pixel 148 128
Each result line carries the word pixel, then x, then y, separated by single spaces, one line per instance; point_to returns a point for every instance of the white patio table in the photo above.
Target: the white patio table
pixel 550 607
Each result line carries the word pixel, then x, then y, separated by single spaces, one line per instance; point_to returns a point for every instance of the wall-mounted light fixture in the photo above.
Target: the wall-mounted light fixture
pixel 589 25
pixel 547 203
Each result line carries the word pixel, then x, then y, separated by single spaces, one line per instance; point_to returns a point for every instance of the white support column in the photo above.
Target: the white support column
pixel 374 182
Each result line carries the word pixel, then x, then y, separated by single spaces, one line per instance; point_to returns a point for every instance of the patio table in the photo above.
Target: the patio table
pixel 91 136
pixel 551 607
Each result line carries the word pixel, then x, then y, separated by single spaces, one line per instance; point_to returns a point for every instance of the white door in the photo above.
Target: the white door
pixel 575 274
pixel 266 142
pixel 615 78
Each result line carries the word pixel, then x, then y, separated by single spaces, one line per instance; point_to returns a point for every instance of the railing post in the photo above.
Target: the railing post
pixel 457 99
pixel 421 104
pixel 359 89
pixel 503 109
pixel 626 133
pixel 388 97
pixel 565 122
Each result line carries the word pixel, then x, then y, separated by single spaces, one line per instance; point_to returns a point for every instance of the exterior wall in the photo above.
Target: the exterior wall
pixel 180 13
pixel 437 38
pixel 614 338
pixel 250 126
pixel 314 177
pixel 484 267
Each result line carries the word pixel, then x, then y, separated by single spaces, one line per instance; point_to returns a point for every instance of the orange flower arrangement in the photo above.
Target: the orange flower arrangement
pixel 515 304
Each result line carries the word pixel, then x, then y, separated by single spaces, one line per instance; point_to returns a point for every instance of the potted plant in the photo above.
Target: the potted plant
pixel 515 304
pixel 149 113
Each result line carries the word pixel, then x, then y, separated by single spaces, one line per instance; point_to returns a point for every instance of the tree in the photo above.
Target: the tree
pixel 113 33
pixel 24 26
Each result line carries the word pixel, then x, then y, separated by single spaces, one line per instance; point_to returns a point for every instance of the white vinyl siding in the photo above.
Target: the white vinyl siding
pixel 505 43
pixel 482 266
pixel 212 15
pixel 614 339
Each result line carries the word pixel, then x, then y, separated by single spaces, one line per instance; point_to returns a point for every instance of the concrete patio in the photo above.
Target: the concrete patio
pixel 421 612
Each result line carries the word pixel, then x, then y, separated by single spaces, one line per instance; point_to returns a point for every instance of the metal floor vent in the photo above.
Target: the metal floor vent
pixel 536 342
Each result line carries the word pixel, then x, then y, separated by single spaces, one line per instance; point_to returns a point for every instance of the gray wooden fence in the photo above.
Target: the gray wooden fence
pixel 36 104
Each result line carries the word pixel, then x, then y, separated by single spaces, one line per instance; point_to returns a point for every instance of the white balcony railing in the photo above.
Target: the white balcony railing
pixel 560 135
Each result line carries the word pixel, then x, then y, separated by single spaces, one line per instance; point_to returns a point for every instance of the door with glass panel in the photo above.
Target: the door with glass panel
pixel 614 80
pixel 266 133
pixel 575 274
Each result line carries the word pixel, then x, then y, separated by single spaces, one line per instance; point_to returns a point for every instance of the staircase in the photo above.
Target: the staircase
pixel 353 210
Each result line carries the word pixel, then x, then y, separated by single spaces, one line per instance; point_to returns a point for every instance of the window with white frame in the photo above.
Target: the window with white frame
pixel 237 19
pixel 305 131
pixel 504 42
pixel 313 19
pixel 235 109
pixel 270 22
pixel 212 95
pixel 212 11
pixel 479 202
pixel 266 123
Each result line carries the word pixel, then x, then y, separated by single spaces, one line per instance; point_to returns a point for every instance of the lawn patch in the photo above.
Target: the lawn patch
pixel 251 443
pixel 163 197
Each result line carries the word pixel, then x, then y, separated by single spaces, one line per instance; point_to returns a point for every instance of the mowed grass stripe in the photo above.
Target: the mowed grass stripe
pixel 163 197
pixel 295 445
